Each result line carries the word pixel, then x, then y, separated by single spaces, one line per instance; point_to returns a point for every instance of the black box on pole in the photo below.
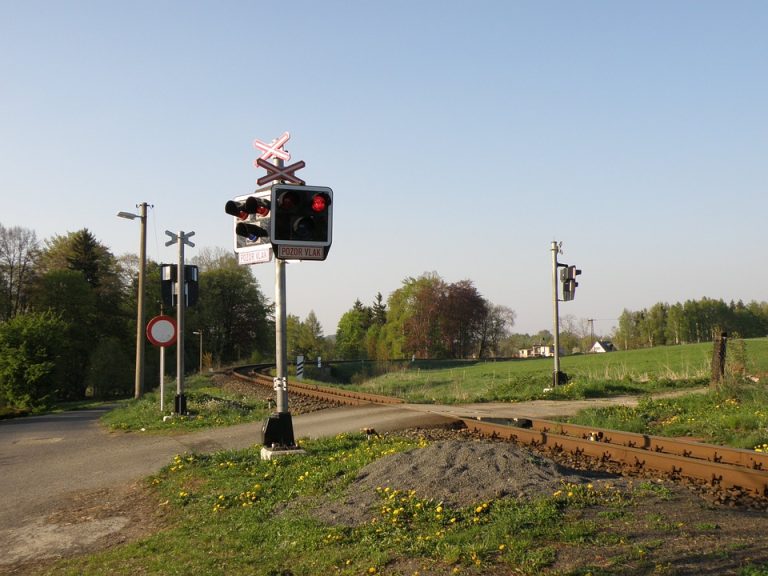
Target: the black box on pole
pixel 278 430
pixel 180 404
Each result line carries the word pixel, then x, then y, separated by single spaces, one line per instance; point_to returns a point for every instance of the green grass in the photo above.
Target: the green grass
pixel 233 513
pixel 208 406
pixel 734 415
pixel 634 372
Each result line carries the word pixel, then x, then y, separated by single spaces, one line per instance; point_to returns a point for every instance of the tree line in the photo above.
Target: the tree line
pixel 690 321
pixel 68 320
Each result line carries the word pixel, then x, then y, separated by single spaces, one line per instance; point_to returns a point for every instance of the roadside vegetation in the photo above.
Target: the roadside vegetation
pixel 734 415
pixel 208 406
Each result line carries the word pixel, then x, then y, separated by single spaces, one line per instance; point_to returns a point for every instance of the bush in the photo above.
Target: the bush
pixel 30 351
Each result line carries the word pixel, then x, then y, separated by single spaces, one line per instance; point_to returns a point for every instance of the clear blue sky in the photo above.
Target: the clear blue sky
pixel 458 137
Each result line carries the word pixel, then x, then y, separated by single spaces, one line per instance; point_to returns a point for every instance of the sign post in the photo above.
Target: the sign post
pixel 304 233
pixel 180 402
pixel 161 332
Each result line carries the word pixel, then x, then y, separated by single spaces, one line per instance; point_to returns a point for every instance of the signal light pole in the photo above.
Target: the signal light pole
pixel 568 277
pixel 557 376
pixel 278 429
pixel 180 402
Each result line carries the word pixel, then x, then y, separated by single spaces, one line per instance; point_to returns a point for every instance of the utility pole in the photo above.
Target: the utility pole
pixel 140 314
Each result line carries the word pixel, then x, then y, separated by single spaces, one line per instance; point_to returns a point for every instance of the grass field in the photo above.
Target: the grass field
pixel 631 372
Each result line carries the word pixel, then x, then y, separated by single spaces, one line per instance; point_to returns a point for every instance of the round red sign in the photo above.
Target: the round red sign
pixel 161 330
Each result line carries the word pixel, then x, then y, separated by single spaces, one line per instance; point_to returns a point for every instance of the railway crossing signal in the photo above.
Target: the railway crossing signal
pixel 302 221
pixel 568 278
pixel 251 217
pixel 285 173
pixel 274 149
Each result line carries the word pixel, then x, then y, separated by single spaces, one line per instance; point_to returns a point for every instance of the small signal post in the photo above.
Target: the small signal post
pixel 567 275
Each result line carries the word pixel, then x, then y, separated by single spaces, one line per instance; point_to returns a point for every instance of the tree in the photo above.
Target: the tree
pixel 233 314
pixel 68 294
pixel 462 314
pixel 351 333
pixel 81 252
pixel 653 323
pixel 495 328
pixel 627 334
pixel 31 347
pixel 18 250
pixel 430 318
pixel 422 325
pixel 109 370
pixel 674 326
pixel 379 310
pixel 311 342
pixel 305 338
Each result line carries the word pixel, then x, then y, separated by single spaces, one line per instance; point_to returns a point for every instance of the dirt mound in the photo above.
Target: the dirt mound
pixel 458 473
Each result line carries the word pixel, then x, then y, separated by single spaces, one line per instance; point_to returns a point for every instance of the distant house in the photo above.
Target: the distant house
pixel 601 346
pixel 538 352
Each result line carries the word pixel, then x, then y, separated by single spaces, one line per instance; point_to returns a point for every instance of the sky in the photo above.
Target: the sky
pixel 461 138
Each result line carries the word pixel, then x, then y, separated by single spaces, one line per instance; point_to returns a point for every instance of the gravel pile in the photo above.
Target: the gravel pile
pixel 457 472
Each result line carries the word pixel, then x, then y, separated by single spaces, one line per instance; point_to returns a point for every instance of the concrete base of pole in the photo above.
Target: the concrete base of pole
pixel 278 431
pixel 270 453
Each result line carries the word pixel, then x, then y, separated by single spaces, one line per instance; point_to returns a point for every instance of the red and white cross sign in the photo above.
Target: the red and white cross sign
pixel 285 173
pixel 274 149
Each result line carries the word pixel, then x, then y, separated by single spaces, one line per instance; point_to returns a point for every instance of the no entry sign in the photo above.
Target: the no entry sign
pixel 161 330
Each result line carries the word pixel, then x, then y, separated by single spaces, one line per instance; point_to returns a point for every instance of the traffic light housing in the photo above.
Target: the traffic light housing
pixel 302 221
pixel 168 277
pixel 568 278
pixel 252 214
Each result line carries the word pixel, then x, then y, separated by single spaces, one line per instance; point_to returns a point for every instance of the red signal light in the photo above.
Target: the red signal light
pixel 320 202
pixel 258 206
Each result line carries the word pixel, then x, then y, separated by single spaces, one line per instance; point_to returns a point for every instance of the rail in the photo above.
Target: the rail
pixel 718 466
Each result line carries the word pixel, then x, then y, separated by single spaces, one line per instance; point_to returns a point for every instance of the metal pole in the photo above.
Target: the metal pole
pixel 140 315
pixel 555 298
pixel 278 429
pixel 281 338
pixel 162 378
pixel 180 306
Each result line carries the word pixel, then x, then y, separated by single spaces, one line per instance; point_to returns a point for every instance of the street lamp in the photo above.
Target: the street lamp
pixel 200 333
pixel 142 216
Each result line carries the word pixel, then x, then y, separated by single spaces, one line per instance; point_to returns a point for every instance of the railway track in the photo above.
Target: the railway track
pixel 740 473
